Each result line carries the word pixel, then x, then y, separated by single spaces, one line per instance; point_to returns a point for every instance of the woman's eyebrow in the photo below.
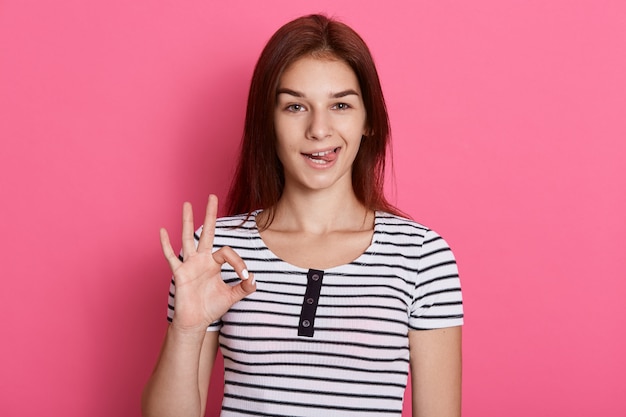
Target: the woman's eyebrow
pixel 345 93
pixel 289 91
pixel 294 93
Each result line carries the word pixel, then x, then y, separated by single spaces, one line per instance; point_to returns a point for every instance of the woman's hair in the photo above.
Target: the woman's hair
pixel 259 178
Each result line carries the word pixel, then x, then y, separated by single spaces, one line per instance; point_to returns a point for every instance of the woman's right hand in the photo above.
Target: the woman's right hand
pixel 202 297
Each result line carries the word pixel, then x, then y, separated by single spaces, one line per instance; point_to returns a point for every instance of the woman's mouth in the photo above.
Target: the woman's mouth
pixel 324 157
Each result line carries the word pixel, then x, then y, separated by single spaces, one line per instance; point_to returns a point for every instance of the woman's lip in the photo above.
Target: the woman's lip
pixel 322 152
pixel 325 159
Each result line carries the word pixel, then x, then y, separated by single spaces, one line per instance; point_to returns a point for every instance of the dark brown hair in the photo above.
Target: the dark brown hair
pixel 259 178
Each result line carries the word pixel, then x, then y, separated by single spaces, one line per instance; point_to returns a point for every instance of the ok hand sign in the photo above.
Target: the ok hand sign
pixel 201 295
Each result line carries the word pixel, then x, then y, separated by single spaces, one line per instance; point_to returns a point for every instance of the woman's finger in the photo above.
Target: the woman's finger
pixel 189 245
pixel 208 227
pixel 228 255
pixel 166 246
pixel 244 288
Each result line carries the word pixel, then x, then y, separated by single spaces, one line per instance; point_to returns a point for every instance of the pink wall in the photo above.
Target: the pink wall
pixel 509 121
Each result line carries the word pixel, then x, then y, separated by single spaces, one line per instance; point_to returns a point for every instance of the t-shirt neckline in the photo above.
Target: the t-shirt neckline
pixel 336 268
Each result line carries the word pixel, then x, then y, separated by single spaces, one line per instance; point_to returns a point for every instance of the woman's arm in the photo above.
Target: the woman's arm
pixel 180 381
pixel 436 372
pixel 179 384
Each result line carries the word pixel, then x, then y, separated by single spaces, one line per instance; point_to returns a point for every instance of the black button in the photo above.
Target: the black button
pixel 310 300
pixel 306 323
pixel 315 277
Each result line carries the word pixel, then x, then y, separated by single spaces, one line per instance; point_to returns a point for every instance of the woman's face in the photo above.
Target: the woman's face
pixel 319 121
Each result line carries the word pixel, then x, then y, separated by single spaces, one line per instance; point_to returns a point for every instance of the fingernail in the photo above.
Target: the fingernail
pixel 245 274
pixel 253 280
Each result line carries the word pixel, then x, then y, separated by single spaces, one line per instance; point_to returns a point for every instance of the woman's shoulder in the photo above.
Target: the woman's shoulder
pixel 227 225
pixel 394 221
pixel 244 221
pixel 397 228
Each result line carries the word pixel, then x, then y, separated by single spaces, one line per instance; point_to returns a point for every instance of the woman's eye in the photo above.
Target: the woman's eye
pixel 342 106
pixel 295 108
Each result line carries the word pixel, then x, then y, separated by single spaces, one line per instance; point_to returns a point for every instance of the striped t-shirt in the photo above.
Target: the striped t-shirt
pixel 332 342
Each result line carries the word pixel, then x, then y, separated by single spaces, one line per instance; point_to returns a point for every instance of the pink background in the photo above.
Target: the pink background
pixel 509 122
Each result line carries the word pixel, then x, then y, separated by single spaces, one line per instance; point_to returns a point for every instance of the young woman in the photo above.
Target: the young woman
pixel 318 292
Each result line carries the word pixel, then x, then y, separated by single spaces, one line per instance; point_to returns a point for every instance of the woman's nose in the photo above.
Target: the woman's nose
pixel 320 126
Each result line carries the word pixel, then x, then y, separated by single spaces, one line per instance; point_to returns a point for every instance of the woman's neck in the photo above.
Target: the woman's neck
pixel 319 213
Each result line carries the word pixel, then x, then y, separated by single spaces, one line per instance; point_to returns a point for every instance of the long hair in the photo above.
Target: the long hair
pixel 259 177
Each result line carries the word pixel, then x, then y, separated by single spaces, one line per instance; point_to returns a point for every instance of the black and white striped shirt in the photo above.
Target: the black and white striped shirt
pixel 335 345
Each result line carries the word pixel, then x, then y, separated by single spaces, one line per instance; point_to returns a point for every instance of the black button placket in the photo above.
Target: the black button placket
pixel 306 326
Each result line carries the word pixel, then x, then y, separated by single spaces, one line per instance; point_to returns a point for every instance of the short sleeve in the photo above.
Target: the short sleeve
pixel 437 300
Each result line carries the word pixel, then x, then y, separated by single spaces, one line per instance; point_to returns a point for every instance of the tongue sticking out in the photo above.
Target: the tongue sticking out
pixel 324 156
